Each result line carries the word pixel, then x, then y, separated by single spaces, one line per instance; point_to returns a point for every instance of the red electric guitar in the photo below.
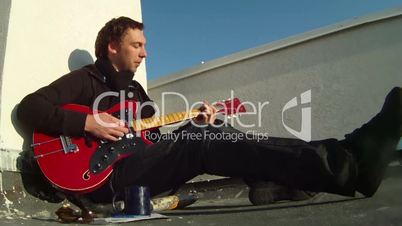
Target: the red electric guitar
pixel 83 164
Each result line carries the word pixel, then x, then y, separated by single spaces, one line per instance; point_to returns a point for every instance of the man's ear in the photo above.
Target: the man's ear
pixel 113 47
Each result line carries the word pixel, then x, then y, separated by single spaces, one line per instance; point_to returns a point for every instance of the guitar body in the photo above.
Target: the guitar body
pixel 70 163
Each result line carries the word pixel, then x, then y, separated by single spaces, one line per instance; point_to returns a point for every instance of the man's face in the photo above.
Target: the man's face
pixel 129 53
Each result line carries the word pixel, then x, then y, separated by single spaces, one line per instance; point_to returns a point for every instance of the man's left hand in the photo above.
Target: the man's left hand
pixel 207 114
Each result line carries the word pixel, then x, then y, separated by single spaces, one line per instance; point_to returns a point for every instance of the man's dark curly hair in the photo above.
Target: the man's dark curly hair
pixel 113 31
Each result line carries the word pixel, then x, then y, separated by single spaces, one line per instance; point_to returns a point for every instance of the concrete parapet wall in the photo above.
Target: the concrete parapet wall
pixel 16 203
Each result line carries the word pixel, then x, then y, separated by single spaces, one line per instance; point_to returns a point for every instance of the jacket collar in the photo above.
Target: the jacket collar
pixel 103 71
pixel 92 70
pixel 116 80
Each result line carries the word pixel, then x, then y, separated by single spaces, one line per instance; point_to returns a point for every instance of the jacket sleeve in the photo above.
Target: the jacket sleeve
pixel 41 110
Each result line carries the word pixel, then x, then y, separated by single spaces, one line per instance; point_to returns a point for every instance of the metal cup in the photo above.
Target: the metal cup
pixel 137 201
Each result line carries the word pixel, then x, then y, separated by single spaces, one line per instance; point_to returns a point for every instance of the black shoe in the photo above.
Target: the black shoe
pixel 266 192
pixel 374 144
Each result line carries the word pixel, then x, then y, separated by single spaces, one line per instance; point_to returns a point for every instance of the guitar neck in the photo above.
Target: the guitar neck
pixel 158 121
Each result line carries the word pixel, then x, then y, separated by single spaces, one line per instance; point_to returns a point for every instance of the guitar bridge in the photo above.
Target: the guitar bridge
pixel 68 145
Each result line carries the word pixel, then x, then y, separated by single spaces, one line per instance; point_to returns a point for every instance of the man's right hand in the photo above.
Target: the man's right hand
pixel 105 126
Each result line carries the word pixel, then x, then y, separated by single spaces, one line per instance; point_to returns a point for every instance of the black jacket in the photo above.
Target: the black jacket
pixel 41 110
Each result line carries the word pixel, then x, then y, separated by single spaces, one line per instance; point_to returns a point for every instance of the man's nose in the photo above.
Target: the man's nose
pixel 143 53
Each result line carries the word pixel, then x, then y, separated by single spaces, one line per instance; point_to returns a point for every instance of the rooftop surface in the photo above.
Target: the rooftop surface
pixel 230 206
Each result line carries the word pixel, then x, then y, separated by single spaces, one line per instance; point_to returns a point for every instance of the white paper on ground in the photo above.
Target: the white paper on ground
pixel 127 218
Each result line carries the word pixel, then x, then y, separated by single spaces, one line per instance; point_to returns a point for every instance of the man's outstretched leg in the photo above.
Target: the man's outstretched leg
pixel 356 163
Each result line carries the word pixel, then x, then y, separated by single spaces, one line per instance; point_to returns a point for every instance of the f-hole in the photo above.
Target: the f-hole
pixel 86 175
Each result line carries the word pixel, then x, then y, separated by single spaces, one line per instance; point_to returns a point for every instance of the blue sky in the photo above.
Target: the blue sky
pixel 183 33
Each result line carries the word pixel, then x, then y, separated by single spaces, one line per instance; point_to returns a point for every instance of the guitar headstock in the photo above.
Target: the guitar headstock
pixel 230 106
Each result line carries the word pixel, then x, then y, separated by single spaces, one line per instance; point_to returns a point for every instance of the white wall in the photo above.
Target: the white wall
pixel 41 36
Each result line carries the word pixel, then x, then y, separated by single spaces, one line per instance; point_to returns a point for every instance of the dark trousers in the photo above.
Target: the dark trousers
pixel 320 166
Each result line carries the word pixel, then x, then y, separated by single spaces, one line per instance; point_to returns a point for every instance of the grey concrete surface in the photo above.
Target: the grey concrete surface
pixel 231 207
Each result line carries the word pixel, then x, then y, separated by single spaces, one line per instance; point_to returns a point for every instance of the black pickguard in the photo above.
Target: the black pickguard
pixel 109 152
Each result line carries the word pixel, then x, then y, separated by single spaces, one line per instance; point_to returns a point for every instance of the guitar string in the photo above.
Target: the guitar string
pixel 45 142
pixel 49 153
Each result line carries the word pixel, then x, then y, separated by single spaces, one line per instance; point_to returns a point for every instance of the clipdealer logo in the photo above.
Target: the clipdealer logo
pixel 134 111
pixel 305 128
pixel 206 134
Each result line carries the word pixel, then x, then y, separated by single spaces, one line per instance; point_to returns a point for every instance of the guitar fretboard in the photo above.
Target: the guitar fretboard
pixel 158 121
